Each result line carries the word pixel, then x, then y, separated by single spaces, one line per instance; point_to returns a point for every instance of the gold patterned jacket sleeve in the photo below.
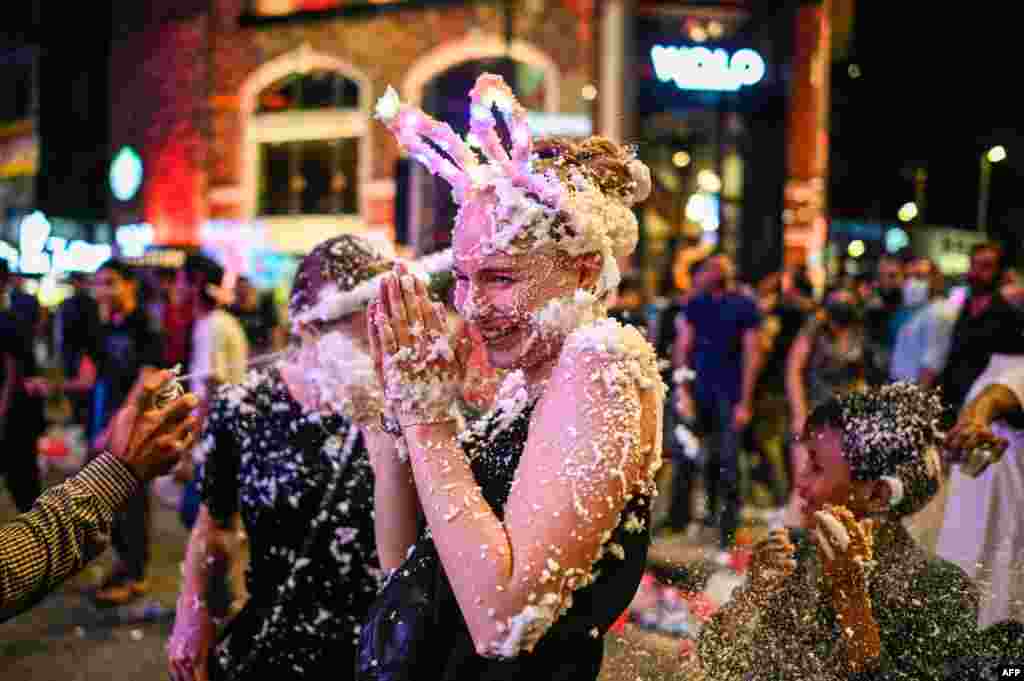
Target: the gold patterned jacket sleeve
pixel 68 526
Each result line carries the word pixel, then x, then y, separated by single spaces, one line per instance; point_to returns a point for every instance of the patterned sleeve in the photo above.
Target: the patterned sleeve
pixel 217 458
pixel 68 526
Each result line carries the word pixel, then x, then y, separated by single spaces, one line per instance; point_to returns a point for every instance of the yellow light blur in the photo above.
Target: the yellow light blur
pixel 680 159
pixel 698 34
pixel 854 71
pixel 715 29
pixel 907 212
pixel 709 181
pixel 996 153
pixel 856 248
pixel 589 92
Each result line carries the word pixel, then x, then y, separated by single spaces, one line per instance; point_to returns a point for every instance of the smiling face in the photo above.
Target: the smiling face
pixel 498 293
pixel 826 478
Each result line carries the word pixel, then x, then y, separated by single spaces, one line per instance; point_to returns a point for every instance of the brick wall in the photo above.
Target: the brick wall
pixel 158 76
pixel 384 48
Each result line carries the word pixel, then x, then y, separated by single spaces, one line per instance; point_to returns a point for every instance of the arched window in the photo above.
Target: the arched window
pixel 444 97
pixel 308 127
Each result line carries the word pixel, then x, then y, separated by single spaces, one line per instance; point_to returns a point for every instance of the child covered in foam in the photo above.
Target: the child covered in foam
pixel 851 595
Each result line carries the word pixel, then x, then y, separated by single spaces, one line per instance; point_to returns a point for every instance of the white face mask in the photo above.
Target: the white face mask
pixel 915 292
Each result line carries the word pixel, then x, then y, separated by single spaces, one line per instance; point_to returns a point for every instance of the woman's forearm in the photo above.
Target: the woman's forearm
pixel 396 506
pixel 205 556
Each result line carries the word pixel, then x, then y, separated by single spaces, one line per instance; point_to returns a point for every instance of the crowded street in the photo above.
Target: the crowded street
pixel 480 340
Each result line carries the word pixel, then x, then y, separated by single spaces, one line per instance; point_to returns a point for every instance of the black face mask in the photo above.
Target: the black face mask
pixel 841 314
pixel 980 287
pixel 891 296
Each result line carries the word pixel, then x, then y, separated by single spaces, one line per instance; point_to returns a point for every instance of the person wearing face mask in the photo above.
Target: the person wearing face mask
pixel 292 448
pixel 922 289
pixel 987 325
pixel 882 319
pixel 827 358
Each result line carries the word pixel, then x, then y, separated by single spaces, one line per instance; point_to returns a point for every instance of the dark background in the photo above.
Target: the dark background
pixel 939 86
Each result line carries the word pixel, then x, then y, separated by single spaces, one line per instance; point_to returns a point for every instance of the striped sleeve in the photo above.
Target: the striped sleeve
pixel 68 526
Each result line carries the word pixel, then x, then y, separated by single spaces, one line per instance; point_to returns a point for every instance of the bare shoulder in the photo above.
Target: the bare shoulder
pixel 625 356
pixel 610 374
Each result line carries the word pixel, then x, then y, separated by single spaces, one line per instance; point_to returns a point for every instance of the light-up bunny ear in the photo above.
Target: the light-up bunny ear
pixel 490 92
pixel 414 128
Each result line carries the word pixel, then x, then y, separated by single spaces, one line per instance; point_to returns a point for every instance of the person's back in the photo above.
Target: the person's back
pixel 77 320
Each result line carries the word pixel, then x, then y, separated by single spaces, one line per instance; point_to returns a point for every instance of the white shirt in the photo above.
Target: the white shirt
pixel 983 528
pixel 219 351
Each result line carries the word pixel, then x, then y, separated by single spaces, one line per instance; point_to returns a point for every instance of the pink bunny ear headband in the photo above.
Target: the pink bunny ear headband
pixel 533 209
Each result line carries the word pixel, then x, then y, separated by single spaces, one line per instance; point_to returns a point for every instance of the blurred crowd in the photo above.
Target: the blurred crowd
pixel 746 363
pixel 67 370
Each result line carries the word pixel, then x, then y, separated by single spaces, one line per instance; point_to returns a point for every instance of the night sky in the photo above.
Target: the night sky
pixel 940 85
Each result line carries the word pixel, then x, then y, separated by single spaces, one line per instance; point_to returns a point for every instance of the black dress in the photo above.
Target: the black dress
pixel 573 648
pixel 277 464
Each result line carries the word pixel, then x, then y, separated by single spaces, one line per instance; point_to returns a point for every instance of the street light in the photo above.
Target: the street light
pixel 993 155
pixel 907 212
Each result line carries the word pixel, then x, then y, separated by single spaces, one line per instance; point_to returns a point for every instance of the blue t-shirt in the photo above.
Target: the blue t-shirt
pixel 719 323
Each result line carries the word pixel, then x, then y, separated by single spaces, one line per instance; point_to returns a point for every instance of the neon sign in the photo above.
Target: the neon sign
pixel 701 68
pixel 44 254
pixel 125 174
pixel 134 239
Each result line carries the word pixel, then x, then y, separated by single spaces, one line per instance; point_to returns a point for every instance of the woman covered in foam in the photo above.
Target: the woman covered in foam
pixel 293 448
pixel 539 511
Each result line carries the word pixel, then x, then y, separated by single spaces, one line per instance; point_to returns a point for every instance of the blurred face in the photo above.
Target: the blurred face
pixel 498 293
pixel 984 273
pixel 920 268
pixel 716 273
pixel 825 477
pixel 890 275
pixel 246 292
pixel 113 290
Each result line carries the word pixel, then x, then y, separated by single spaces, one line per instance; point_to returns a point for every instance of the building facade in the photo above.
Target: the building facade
pixel 253 118
pixel 256 121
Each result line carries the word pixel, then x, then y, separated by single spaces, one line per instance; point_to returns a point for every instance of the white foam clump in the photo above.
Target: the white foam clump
pixel 597 223
pixel 511 399
pixel 334 303
pixel 562 316
pixel 896 491
pixel 524 630
pixel 609 336
pixel 343 374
